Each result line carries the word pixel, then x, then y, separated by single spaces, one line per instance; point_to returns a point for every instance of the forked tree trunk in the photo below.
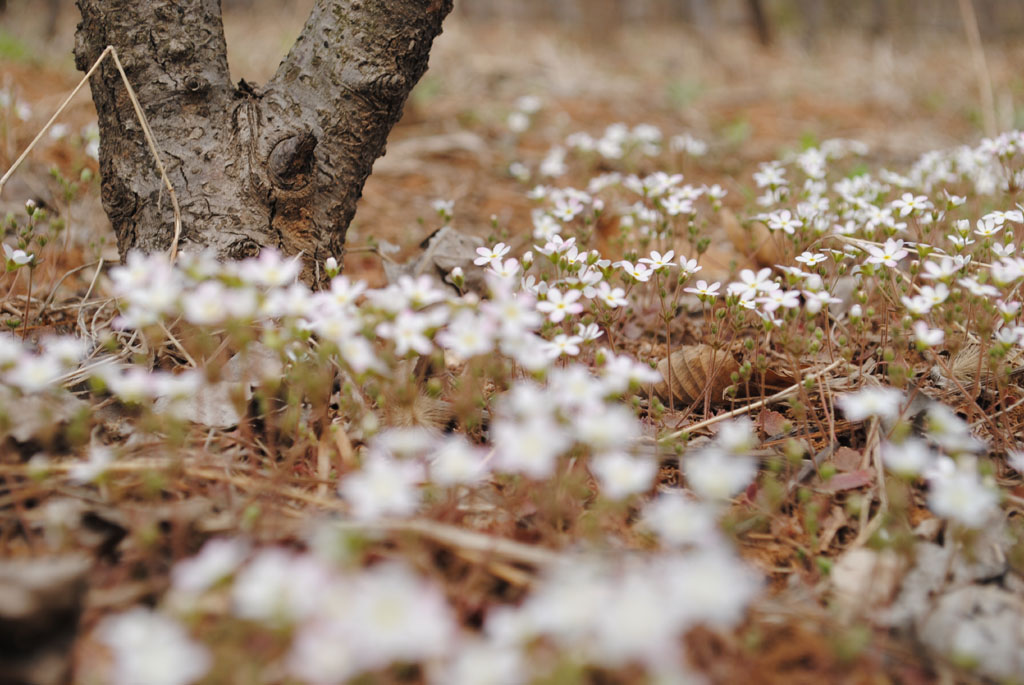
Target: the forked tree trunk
pixel 280 166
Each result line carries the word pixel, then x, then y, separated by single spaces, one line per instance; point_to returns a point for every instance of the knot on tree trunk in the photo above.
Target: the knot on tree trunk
pixel 292 161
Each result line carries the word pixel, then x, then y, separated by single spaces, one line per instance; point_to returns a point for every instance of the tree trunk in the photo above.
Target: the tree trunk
pixel 279 166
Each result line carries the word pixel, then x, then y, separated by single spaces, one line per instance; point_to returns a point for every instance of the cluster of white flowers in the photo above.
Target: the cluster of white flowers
pixel 545 310
pixel 944 455
pixel 602 611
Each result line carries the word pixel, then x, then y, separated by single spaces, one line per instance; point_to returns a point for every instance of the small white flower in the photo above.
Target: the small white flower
pixel 658 261
pixel 715 474
pixel 957 493
pixel 679 520
pixel 621 475
pixel 811 258
pixel 888 255
pixel 688 267
pixel 926 336
pixel 149 647
pixel 562 343
pixel 705 291
pixel 881 402
pixel 489 255
pixel 639 272
pixel 911 458
pixel 558 305
pixel 383 487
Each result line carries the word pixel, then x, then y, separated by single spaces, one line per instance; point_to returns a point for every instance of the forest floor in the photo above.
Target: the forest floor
pixel 901 96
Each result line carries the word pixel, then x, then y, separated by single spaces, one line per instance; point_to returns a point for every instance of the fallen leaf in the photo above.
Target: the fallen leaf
pixel 753 240
pixel 850 480
pixel 846 459
pixel 696 370
pixel 775 423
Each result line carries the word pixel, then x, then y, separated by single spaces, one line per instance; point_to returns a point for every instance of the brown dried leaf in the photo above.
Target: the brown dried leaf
pixel 753 240
pixel 696 370
pixel 775 423
pixel 847 459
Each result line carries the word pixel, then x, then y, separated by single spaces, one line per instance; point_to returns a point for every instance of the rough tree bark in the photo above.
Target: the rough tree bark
pixel 279 166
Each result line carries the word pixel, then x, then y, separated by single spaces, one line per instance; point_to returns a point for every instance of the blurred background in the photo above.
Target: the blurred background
pixel 752 78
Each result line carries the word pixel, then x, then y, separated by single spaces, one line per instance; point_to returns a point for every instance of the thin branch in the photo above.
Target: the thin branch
pixel 981 72
pixel 150 141
pixel 781 395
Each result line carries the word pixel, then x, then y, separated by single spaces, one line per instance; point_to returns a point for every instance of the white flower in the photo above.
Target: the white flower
pixel 456 461
pixel 811 258
pixel 530 447
pixel 736 437
pixel 705 291
pixel 444 208
pixel 149 647
pixel 621 475
pixel 688 267
pixel 407 330
pixel 558 305
pixel 491 255
pixel 589 333
pixel 1015 458
pixel 323 652
pixel 912 457
pixel 715 474
pixel 468 335
pixel 881 402
pixel 17 257
pixel 658 261
pixel 750 283
pixel 206 305
pixel 218 559
pixel 394 615
pixel 788 299
pixel 783 221
pixel 383 487
pixel 612 297
pixel 100 458
pixel 888 255
pixel 956 492
pixel 909 203
pixel 278 587
pixel 563 343
pixel 34 373
pixel 477 662
pixel 638 272
pixel 270 269
pixel 926 336
pixel 678 520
